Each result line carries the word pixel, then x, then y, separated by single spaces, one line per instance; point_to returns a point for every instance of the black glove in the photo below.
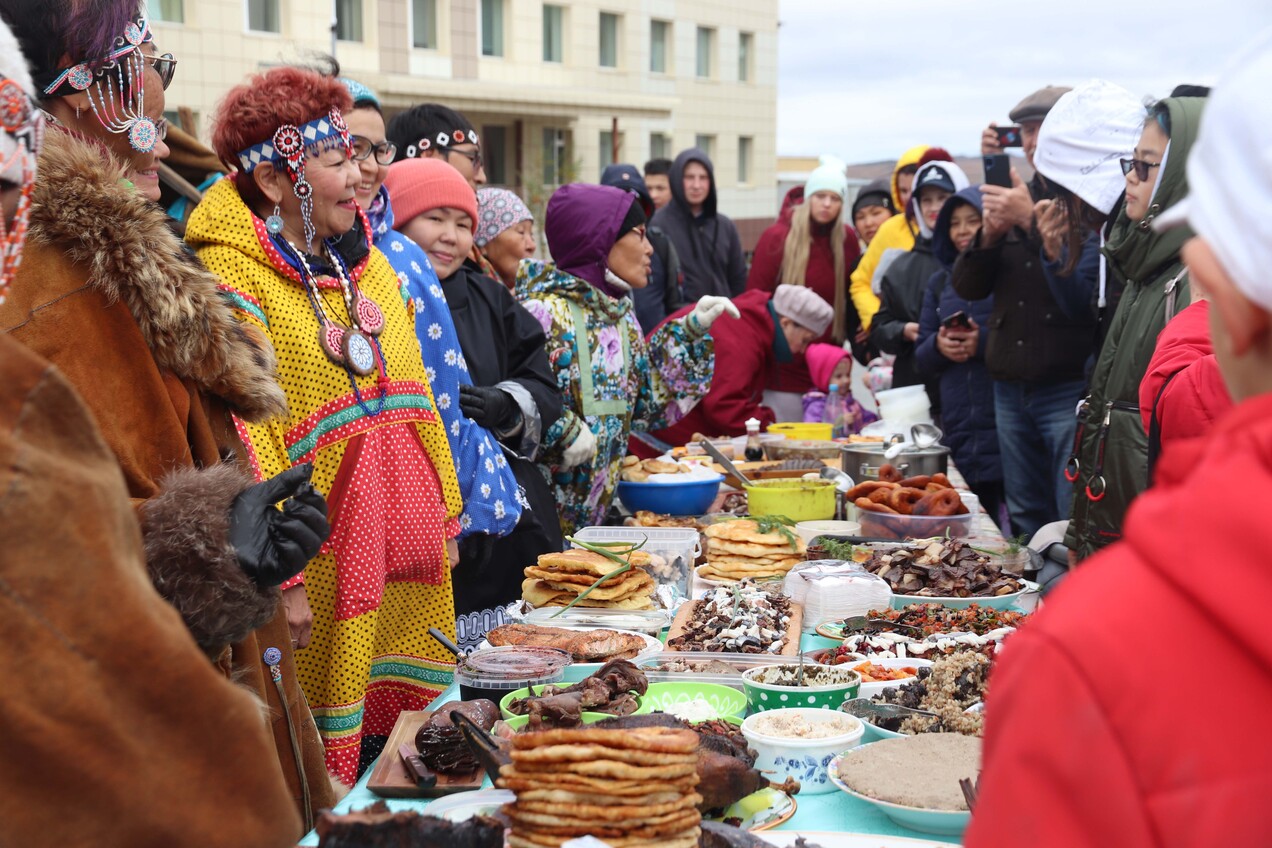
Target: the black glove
pixel 491 408
pixel 273 545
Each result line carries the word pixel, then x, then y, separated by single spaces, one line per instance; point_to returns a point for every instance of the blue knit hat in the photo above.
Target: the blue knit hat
pixel 828 176
pixel 360 93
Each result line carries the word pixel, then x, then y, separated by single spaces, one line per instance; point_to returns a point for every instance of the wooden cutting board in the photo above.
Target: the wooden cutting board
pixel 790 647
pixel 389 778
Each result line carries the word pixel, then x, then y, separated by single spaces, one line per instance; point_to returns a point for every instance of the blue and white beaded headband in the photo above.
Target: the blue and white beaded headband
pixel 289 144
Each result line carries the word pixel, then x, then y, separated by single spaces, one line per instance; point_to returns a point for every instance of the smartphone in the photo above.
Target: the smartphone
pixel 957 321
pixel 1008 136
pixel 998 170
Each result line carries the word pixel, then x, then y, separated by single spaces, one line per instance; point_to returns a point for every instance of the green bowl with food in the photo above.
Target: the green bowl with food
pixel 527 691
pixel 770 687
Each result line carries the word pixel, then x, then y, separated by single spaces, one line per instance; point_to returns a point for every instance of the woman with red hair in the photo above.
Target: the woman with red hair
pixel 295 258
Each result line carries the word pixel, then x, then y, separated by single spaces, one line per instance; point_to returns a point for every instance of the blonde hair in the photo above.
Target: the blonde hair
pixel 799 243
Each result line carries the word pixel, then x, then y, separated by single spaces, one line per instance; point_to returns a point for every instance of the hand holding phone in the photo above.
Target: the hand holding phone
pixel 1009 136
pixel 998 170
pixel 958 321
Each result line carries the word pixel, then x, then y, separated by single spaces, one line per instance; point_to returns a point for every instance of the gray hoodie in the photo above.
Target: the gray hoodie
pixel 710 252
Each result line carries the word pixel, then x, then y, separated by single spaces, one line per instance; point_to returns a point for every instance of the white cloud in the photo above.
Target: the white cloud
pixel 865 79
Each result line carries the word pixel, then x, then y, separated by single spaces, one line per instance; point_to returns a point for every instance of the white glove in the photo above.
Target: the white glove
pixel 709 308
pixel 582 449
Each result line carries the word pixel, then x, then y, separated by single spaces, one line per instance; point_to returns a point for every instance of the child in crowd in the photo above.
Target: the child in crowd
pixel 830 368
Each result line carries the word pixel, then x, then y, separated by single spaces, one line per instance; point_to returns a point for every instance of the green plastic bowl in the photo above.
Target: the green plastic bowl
pixel 517 723
pixel 526 690
pixel 726 700
pixel 768 696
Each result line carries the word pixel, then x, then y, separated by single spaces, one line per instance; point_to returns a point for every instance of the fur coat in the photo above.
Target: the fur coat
pixel 105 694
pixel 110 296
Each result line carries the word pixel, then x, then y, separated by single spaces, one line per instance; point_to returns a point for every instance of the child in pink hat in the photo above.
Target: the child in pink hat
pixel 830 367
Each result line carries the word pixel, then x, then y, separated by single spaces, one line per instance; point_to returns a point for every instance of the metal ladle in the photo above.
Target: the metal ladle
pixel 922 436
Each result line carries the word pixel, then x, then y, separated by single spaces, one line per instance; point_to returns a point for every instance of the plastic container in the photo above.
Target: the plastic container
pixel 802 429
pixel 494 672
pixel 795 498
pixel 904 406
pixel 652 622
pixel 882 525
pixel 810 530
pixel 679 546
pixel 802 449
pixel 692 497
pixel 652 667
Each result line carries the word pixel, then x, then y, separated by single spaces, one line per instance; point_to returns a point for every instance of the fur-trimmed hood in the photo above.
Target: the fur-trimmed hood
pixel 84 206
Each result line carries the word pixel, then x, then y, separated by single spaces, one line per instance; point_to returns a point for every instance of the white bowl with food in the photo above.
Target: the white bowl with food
pixel 800 743
pixel 876 673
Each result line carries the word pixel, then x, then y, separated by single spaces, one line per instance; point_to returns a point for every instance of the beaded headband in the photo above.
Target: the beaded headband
pixel 118 100
pixel 443 139
pixel 21 132
pixel 289 144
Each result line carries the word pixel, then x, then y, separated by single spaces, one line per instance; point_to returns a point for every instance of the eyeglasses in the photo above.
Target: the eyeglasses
pixel 473 156
pixel 363 148
pixel 161 129
pixel 1139 166
pixel 165 66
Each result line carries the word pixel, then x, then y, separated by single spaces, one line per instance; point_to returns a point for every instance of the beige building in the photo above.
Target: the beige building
pixel 546 84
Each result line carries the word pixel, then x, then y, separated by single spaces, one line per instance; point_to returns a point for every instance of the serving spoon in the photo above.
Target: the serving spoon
pixel 864 708
pixel 724 461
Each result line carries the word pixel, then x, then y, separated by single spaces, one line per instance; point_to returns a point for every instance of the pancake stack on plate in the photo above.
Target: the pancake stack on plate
pixel 629 788
pixel 558 578
pixel 738 549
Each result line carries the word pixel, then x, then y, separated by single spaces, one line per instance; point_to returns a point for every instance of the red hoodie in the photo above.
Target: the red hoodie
pixel 1132 711
pixel 766 266
pixel 1183 381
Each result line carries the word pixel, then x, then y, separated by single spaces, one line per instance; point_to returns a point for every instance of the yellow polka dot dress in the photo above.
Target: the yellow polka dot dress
pixel 381 457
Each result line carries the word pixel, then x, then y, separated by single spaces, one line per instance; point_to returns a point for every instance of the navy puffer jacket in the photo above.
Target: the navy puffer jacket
pixel 967 392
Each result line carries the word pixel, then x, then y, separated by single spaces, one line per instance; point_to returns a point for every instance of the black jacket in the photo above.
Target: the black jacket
pixel 1031 338
pixel 710 251
pixel 901 293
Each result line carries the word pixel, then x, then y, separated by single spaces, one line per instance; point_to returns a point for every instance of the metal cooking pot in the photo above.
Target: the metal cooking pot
pixel 861 461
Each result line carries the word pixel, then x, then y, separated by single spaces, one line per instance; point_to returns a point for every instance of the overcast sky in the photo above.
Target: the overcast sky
pixel 865 79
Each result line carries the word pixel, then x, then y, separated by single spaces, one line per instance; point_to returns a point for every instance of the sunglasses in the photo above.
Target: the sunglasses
pixel 473 156
pixel 363 148
pixel 1139 166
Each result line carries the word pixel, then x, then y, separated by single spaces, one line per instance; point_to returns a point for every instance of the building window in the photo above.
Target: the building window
pixel 609 40
pixel 492 27
pixel 494 154
pixel 553 33
pixel 168 11
pixel 264 16
pixel 608 156
pixel 659 146
pixel 658 37
pixel 745 143
pixel 554 156
pixel 706 47
pixel 746 41
pixel 349 20
pixel 424 24
pixel 705 143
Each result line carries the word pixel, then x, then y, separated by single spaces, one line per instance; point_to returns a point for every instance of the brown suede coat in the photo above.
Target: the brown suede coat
pixel 111 297
pixel 116 729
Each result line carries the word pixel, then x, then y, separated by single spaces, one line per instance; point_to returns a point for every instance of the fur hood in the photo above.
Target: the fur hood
pixel 84 207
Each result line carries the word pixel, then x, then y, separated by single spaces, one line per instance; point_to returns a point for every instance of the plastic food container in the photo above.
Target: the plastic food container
pixel 802 449
pixel 679 546
pixel 692 497
pixel 652 622
pixel 494 672
pixel 797 499
pixel 694 660
pixel 882 525
pixel 802 430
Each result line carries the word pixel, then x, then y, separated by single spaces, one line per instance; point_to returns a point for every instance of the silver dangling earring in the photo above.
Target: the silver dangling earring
pixel 77 113
pixel 274 223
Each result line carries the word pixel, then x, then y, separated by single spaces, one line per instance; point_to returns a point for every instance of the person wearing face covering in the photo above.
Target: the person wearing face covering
pixel 612 379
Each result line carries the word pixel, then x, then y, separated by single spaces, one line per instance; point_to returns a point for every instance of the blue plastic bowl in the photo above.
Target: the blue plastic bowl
pixel 690 498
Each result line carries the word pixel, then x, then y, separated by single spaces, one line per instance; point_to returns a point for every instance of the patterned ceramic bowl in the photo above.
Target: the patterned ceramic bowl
pixel 780 757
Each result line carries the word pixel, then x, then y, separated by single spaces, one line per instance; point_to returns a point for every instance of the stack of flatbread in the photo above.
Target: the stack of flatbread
pixel 558 578
pixel 629 788
pixel 737 549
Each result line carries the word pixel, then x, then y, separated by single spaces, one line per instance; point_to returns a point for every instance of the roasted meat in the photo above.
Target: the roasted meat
pixel 612 689
pixel 378 827
pixel 440 743
pixel 584 645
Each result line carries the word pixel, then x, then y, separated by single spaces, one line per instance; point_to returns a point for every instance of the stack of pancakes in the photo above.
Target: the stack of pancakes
pixel 558 578
pixel 629 788
pixel 737 549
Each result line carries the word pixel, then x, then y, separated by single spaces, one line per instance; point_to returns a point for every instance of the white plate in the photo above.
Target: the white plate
pixel 462 806
pixel 577 671
pixel 846 840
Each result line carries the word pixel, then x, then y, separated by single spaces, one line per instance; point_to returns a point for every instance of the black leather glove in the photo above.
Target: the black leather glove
pixel 274 545
pixel 491 408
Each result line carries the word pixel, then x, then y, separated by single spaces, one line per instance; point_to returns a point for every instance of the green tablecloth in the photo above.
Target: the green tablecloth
pixel 831 812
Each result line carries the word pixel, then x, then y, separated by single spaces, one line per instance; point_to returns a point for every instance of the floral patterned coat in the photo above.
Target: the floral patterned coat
pixel 612 381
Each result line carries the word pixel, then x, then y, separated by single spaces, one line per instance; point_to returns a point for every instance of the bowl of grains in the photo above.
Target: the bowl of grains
pixel 800 743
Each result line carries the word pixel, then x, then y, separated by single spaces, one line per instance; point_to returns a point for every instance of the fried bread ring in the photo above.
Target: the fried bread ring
pixel 917 482
pixel 934 487
pixel 861 490
pixel 944 502
pixel 882 495
pixel 939 477
pixel 889 473
pixel 903 499
pixel 871 506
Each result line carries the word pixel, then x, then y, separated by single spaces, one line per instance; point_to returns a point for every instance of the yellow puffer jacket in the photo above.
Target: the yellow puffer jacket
pixel 895 233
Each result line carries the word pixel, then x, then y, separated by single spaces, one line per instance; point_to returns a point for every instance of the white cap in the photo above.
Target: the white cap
pixel 1084 135
pixel 752 424
pixel 1229 202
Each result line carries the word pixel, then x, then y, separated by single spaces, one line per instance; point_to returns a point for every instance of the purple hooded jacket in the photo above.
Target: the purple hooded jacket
pixel 582 225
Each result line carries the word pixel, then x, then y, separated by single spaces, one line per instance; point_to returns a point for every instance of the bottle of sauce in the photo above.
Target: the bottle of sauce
pixel 754 451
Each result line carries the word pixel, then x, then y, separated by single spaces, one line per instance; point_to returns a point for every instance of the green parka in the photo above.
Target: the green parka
pixel 1111 460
